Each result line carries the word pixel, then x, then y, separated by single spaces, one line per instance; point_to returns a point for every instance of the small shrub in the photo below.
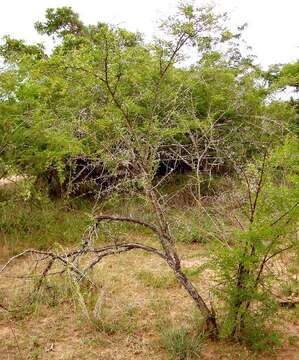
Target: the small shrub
pixel 259 337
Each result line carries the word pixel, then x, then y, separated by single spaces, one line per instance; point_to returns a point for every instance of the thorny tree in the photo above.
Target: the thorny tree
pixel 146 109
pixel 144 101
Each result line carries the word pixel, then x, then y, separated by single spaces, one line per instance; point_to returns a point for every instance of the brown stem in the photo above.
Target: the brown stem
pixel 238 317
pixel 211 327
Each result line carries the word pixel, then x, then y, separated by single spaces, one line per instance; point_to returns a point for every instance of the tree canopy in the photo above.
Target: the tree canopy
pixel 100 82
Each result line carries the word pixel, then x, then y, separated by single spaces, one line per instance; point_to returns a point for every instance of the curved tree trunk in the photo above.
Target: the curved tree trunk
pixel 211 327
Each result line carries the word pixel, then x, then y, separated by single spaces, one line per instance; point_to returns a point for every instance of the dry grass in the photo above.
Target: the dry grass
pixel 123 319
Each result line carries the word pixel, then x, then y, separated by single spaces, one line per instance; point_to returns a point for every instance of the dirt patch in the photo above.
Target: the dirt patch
pixel 11 180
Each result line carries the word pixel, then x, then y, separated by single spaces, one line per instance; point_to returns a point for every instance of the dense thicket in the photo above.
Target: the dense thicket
pixel 60 123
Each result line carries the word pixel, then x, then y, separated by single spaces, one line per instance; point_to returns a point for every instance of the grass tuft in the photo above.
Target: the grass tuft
pixel 180 344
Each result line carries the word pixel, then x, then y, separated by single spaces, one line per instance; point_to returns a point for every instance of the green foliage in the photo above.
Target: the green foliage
pixel 58 108
pixel 15 51
pixel 34 221
pixel 269 231
pixel 288 75
pixel 192 226
pixel 60 22
pixel 259 337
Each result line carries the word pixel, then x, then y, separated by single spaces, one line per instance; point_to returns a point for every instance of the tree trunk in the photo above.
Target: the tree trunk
pixel 211 327
pixel 237 307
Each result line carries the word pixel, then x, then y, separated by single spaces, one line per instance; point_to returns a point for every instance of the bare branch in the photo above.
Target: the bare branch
pixel 100 218
pixel 118 249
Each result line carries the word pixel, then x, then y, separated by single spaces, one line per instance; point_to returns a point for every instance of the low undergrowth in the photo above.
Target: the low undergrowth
pixel 33 220
pixel 30 219
pixel 107 320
